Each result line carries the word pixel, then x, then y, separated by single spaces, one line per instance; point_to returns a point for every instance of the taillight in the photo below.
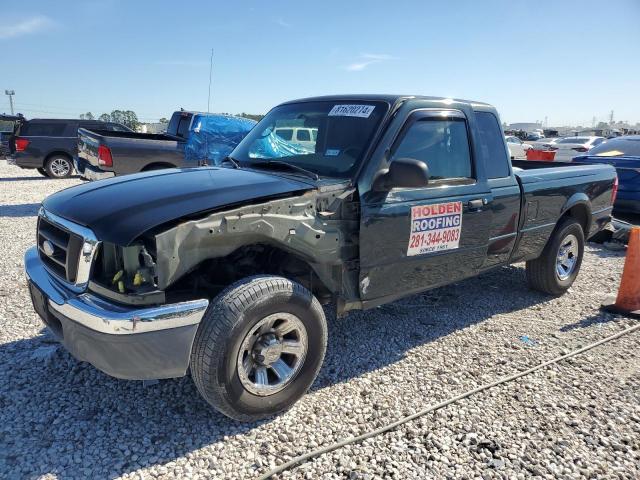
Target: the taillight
pixel 580 149
pixel 104 156
pixel 21 144
pixel 614 192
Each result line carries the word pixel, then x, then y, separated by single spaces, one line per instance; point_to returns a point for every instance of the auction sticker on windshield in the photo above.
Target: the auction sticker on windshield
pixel 435 228
pixel 362 111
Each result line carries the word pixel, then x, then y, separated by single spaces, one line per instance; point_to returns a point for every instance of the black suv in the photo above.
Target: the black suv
pixel 49 145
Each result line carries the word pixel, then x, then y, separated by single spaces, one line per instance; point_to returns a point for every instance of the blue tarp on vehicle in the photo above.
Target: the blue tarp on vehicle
pixel 213 137
pixel 274 146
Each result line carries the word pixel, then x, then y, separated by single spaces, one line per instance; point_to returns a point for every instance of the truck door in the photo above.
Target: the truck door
pixel 413 239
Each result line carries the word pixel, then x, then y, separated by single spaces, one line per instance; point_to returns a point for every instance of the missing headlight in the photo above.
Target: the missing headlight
pixel 126 269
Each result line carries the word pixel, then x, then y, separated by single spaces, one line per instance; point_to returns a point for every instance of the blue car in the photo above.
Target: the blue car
pixel 624 154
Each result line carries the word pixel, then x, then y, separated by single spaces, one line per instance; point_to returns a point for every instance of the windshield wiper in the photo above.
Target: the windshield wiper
pixel 292 166
pixel 231 160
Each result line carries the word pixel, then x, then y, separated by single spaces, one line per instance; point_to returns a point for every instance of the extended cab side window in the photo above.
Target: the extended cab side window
pixel 492 146
pixel 440 143
pixel 54 129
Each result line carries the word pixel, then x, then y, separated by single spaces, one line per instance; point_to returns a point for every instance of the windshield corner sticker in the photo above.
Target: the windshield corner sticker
pixel 435 228
pixel 332 152
pixel 362 111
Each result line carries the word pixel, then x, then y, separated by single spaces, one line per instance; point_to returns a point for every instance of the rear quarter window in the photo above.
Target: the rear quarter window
pixel 56 129
pixel 492 146
pixel 618 147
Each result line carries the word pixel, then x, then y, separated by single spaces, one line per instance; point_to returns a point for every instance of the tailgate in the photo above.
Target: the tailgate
pixel 88 144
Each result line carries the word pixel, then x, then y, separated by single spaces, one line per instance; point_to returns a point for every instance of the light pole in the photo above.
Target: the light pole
pixel 10 93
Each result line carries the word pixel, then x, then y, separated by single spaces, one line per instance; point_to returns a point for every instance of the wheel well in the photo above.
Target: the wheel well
pixel 53 154
pixel 157 166
pixel 580 212
pixel 213 275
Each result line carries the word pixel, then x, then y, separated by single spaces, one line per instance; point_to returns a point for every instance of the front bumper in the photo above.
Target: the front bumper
pixel 124 342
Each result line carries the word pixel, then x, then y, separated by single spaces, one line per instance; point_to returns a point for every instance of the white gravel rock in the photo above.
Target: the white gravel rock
pixel 60 418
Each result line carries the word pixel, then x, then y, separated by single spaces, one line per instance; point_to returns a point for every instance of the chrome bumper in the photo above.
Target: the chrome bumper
pixel 125 342
pixel 90 174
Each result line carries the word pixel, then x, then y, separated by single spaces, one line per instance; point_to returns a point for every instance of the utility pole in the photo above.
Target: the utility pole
pixel 611 118
pixel 10 93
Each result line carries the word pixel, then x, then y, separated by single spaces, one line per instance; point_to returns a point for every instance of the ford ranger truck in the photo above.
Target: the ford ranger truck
pixel 223 271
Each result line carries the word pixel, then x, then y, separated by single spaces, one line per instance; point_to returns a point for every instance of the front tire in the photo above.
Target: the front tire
pixel 557 267
pixel 58 166
pixel 259 347
pixel 42 172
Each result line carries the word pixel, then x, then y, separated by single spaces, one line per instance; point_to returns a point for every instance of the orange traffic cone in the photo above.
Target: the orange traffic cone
pixel 628 299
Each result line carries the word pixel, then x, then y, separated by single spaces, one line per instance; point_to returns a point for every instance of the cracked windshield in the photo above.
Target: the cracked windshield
pixel 326 138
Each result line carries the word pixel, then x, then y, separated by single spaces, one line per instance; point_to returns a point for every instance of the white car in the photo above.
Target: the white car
pixel 517 148
pixel 299 135
pixel 568 147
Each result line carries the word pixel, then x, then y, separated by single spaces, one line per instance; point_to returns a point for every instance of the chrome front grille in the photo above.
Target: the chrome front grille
pixel 65 248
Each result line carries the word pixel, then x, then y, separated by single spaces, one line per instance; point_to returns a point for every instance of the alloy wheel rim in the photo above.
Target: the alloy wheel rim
pixel 272 353
pixel 567 257
pixel 60 167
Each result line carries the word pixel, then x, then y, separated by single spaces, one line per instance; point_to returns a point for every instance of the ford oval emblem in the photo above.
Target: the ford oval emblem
pixel 47 248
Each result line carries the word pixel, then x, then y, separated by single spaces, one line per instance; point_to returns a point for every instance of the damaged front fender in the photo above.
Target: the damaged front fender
pixel 312 226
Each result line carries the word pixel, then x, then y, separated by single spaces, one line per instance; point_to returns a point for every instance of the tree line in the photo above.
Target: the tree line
pixel 124 117
pixel 130 119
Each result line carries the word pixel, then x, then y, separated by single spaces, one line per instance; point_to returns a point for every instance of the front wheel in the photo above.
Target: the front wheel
pixel 42 172
pixel 557 267
pixel 259 347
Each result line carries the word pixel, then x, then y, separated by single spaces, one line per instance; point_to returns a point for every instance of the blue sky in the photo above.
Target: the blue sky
pixel 567 60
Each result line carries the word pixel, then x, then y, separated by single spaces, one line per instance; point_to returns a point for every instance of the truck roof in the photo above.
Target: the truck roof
pixel 389 98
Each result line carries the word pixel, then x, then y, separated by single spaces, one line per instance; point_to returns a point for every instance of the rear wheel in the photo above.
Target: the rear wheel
pixel 58 166
pixel 557 267
pixel 259 347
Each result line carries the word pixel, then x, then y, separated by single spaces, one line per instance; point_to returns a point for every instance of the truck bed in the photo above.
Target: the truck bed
pixel 130 151
pixel 547 188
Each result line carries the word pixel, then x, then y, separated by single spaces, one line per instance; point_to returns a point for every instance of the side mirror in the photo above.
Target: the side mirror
pixel 403 173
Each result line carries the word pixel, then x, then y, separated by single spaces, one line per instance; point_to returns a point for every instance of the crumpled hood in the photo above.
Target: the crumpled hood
pixel 120 209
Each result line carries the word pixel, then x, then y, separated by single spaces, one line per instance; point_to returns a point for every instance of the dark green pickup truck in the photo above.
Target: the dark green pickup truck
pixel 223 270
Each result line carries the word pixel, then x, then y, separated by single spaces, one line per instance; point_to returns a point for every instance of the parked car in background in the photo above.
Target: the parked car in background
pixel 192 139
pixel 624 154
pixel 4 144
pixel 542 143
pixel 298 135
pixel 49 145
pixel 517 148
pixel 568 147
pixel 534 136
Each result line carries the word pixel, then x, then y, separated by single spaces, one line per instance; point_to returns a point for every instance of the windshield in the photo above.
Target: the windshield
pixel 328 138
pixel 618 147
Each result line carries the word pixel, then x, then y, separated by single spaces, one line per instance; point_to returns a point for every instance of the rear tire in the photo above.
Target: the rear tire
pixel 557 267
pixel 259 347
pixel 58 166
pixel 42 172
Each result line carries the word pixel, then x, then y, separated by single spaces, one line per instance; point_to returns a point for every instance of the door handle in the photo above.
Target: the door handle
pixel 476 204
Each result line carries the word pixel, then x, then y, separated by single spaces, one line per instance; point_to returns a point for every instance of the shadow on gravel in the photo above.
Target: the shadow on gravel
pixel 19 210
pixel 598 319
pixel 62 417
pixel 39 177
pixel 604 252
pixel 20 179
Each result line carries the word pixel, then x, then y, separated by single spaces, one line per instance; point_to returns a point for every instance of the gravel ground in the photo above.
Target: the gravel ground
pixel 581 418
